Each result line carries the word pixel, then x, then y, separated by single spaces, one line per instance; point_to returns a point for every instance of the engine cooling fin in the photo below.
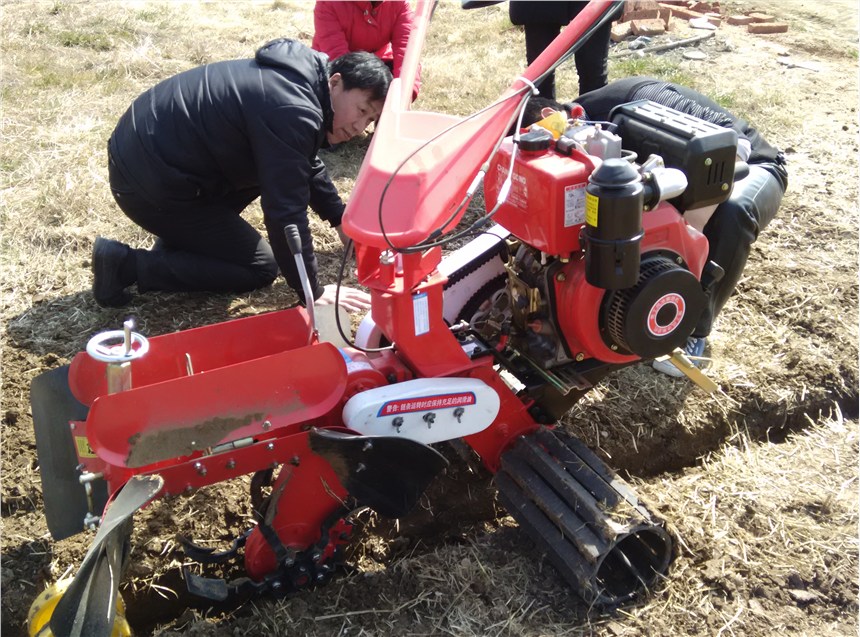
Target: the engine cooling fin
pixel 593 527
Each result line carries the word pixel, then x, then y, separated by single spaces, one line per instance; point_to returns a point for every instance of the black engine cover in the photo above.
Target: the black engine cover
pixel 657 314
pixel 703 151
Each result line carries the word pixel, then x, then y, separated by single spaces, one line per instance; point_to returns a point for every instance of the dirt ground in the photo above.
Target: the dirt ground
pixel 759 481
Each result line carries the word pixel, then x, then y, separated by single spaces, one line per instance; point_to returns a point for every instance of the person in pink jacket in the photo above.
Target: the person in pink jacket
pixel 381 28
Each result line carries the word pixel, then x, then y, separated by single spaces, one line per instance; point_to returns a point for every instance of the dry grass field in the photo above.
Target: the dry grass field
pixel 759 481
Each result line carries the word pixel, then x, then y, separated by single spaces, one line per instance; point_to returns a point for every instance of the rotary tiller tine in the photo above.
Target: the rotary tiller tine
pixel 88 607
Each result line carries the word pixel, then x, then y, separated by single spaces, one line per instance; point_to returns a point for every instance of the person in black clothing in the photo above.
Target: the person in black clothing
pixel 736 223
pixel 191 153
pixel 543 21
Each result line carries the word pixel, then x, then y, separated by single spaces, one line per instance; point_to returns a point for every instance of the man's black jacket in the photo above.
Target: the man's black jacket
pixel 250 126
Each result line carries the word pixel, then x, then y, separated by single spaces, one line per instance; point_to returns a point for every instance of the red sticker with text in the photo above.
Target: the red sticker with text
pixel 423 403
pixel 676 301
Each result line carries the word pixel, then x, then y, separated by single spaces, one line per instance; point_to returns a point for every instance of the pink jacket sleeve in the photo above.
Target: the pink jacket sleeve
pixel 329 36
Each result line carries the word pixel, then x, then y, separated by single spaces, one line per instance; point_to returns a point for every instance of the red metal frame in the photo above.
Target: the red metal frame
pixel 207 348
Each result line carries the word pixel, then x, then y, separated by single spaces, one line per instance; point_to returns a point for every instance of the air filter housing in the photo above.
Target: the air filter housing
pixel 704 152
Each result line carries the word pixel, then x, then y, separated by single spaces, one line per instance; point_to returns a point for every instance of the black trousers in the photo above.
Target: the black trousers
pixel 204 245
pixel 734 227
pixel 591 59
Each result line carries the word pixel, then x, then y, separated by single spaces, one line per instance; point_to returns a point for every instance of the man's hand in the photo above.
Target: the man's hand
pixel 351 299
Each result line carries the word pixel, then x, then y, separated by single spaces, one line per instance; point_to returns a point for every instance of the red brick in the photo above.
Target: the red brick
pixel 683 13
pixel 760 17
pixel 767 27
pixel 739 20
pixel 620 31
pixel 631 6
pixel 648 27
pixel 701 7
pixel 666 16
pixel 643 14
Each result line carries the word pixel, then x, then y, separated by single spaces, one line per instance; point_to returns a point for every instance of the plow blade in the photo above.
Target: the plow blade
pixel 589 522
pixel 365 466
pixel 53 406
pixel 88 607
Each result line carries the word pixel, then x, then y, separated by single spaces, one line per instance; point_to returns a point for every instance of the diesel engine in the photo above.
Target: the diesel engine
pixel 600 266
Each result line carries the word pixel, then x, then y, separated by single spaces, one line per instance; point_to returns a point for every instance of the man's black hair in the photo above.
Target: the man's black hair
pixel 536 104
pixel 362 70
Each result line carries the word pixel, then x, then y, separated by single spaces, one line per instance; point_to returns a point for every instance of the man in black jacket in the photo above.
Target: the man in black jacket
pixel 194 151
pixel 734 225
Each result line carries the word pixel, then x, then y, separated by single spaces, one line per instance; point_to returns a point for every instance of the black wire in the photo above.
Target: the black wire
pixel 475 228
pixel 425 246
pixel 483 220
pixel 348 340
pixel 477 225
pixel 420 247
pixel 472 229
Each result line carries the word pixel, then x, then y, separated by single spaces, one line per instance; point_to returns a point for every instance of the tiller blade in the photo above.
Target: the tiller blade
pixel 53 407
pixel 343 473
pixel 88 607
pixel 383 473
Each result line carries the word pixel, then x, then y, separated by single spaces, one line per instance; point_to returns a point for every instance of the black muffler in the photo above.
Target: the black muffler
pixel 589 522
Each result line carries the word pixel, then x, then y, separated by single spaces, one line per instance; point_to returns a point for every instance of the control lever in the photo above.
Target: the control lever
pixel 294 242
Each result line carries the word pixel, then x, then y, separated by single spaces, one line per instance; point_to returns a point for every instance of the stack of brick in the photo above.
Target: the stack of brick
pixel 709 11
pixel 652 17
pixel 692 5
pixel 641 17
pixel 758 23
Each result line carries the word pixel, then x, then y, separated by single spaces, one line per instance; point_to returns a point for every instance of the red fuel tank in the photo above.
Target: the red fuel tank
pixel 546 204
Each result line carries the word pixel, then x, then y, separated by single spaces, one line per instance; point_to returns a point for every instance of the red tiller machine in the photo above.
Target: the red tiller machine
pixel 582 264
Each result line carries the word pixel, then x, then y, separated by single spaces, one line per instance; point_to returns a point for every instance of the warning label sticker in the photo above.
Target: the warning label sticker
pixel 591 203
pixel 423 403
pixel 574 205
pixel 83 447
pixel 518 196
pixel 421 313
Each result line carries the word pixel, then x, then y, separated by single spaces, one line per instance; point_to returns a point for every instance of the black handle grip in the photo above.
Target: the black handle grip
pixel 742 170
pixel 294 240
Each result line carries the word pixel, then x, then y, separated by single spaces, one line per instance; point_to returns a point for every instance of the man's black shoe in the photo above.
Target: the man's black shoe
pixel 108 258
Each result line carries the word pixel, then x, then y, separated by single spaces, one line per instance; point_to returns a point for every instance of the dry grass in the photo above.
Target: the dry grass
pixel 744 513
pixel 752 541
